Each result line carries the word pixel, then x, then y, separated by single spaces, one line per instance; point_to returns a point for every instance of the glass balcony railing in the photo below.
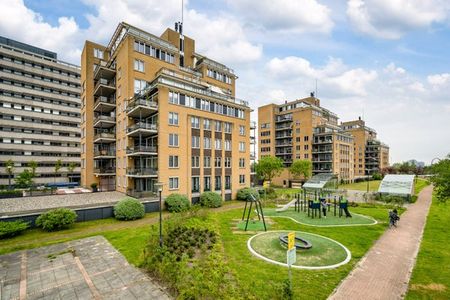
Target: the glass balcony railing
pixel 142 171
pixel 142 149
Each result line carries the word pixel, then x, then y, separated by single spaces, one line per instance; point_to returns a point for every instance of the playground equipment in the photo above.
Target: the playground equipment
pixel 299 242
pixel 309 201
pixel 259 211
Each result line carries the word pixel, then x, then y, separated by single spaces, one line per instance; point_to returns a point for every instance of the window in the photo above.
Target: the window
pixel 173 161
pixel 207 143
pixel 207 161
pixel 265 125
pixel 242 146
pixel 207 183
pixel 173 183
pixel 195 122
pixel 242 130
pixel 227 127
pixel 227 162
pixel 98 53
pixel 195 141
pixel 174 98
pixel 306 147
pixel 228 182
pixel 139 85
pixel 218 183
pixel 195 184
pixel 218 144
pixel 173 140
pixel 195 161
pixel 241 162
pixel 227 145
pixel 173 118
pixel 139 65
pixel 242 179
pixel 218 162
pixel 218 126
pixel 306 138
pixel 206 124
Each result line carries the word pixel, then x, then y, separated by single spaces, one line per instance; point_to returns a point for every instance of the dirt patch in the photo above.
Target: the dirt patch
pixel 430 287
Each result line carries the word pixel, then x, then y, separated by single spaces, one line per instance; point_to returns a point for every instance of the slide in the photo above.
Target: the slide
pixel 286 206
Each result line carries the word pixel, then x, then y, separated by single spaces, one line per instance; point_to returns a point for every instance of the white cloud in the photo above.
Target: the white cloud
pixel 437 80
pixel 391 19
pixel 286 15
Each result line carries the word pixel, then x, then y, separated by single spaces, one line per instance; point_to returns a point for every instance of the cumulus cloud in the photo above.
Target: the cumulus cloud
pixel 437 80
pixel 391 19
pixel 286 15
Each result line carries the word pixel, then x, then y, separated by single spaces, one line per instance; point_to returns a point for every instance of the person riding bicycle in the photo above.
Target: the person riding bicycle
pixel 393 218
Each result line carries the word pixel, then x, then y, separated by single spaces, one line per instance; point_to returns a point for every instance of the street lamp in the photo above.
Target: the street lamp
pixel 9 176
pixel 159 187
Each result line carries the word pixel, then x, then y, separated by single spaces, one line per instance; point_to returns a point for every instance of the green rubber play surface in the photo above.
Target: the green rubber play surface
pixel 253 225
pixel 330 220
pixel 324 252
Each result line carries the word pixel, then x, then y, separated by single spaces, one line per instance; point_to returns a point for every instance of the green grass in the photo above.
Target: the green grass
pixel 253 225
pixel 286 191
pixel 361 186
pixel 302 217
pixel 431 274
pixel 419 185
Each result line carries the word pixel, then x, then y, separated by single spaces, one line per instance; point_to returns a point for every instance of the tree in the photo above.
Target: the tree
pixel 58 167
pixel 301 168
pixel 24 179
pixel 71 167
pixel 441 179
pixel 33 166
pixel 268 167
pixel 9 166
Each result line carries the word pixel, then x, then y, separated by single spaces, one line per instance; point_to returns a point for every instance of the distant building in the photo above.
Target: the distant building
pixel 39 112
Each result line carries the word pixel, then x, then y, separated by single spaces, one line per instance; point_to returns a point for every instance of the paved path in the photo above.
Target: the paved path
pixel 385 271
pixel 89 268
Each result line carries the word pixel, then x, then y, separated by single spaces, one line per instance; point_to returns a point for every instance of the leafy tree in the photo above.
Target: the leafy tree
pixel 71 167
pixel 9 167
pixel 58 167
pixel 268 167
pixel 33 166
pixel 441 179
pixel 24 179
pixel 301 168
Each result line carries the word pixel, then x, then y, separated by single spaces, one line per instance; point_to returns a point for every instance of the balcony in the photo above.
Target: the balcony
pixel 104 87
pixel 141 108
pixel 143 129
pixel 104 104
pixel 102 71
pixel 283 136
pixel 104 121
pixel 105 154
pixel 142 150
pixel 283 119
pixel 322 150
pixel 105 137
pixel 284 145
pixel 141 194
pixel 282 127
pixel 323 141
pixel 105 171
pixel 142 172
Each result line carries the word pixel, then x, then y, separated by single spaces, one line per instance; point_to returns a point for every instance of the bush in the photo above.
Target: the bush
pixel 177 203
pixel 210 199
pixel 129 209
pixel 11 194
pixel 56 219
pixel 244 194
pixel 377 176
pixel 10 229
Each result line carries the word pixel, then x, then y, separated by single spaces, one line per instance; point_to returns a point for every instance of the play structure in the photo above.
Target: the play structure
pixel 258 208
pixel 299 242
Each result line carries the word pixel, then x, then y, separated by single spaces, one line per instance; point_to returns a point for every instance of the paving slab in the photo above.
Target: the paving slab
pixel 89 268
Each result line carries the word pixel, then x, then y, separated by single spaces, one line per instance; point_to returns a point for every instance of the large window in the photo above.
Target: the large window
pixel 195 184
pixel 207 161
pixel 173 118
pixel 242 146
pixel 227 162
pixel 227 127
pixel 227 145
pixel 218 144
pixel 98 53
pixel 241 130
pixel 218 183
pixel 207 183
pixel 195 161
pixel 218 126
pixel 139 85
pixel 241 162
pixel 195 141
pixel 195 122
pixel 173 183
pixel 228 182
pixel 241 179
pixel 173 140
pixel 206 124
pixel 173 161
pixel 207 143
pixel 139 65
pixel 218 162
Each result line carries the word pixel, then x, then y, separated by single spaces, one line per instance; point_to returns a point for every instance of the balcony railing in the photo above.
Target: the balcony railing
pixel 105 152
pixel 103 81
pixel 283 119
pixel 143 149
pixel 142 171
pixel 105 135
pixel 151 102
pixel 103 99
pixel 104 118
pixel 105 170
pixel 141 125
pixel 283 145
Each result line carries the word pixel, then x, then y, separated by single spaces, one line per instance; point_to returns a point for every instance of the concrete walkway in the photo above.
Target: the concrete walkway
pixel 385 271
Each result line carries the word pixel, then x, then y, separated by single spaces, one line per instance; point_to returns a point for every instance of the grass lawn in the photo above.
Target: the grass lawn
pixel 431 274
pixel 256 277
pixel 361 186
pixel 420 184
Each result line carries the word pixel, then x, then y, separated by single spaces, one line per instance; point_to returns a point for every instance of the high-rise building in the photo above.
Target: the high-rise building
pixel 304 130
pixel 371 156
pixel 155 110
pixel 39 113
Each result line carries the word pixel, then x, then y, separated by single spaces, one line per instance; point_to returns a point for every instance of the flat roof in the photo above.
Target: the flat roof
pixel 27 47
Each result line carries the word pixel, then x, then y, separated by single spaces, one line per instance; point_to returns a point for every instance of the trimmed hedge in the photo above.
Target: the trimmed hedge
pixel 244 194
pixel 129 209
pixel 177 203
pixel 56 219
pixel 10 229
pixel 210 199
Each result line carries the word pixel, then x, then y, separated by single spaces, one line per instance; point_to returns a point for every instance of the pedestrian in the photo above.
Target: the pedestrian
pixel 344 206
pixel 324 205
pixel 393 218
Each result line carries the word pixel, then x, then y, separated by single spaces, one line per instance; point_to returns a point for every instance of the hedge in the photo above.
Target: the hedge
pixel 210 199
pixel 244 194
pixel 10 229
pixel 129 209
pixel 56 219
pixel 177 203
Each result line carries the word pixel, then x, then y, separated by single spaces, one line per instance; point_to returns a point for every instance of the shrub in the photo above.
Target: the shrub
pixel 244 194
pixel 129 209
pixel 177 203
pixel 210 199
pixel 377 176
pixel 10 229
pixel 56 219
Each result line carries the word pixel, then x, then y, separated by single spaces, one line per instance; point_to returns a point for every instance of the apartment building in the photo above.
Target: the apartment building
pixel 155 110
pixel 302 129
pixel 39 112
pixel 370 155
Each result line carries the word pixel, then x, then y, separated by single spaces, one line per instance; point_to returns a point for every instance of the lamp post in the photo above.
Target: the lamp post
pixel 159 187
pixel 9 176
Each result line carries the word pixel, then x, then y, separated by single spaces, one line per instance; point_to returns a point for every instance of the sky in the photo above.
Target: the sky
pixel 384 60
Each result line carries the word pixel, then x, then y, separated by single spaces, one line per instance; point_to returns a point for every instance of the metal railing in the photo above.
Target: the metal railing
pixel 145 149
pixel 103 99
pixel 104 118
pixel 105 135
pixel 142 171
pixel 142 125
pixel 150 102
pixel 105 152
pixel 108 170
pixel 141 194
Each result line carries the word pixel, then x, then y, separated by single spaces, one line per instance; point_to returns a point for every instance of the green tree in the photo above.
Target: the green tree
pixel 58 167
pixel 301 168
pixel 9 167
pixel 441 179
pixel 33 166
pixel 268 167
pixel 24 179
pixel 71 167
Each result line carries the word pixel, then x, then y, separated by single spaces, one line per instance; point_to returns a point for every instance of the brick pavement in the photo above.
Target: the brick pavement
pixel 385 271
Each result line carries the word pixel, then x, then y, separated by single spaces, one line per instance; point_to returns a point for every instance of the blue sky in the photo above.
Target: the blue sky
pixel 386 58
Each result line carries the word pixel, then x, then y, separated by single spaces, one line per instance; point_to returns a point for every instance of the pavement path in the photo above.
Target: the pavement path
pixel 385 271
